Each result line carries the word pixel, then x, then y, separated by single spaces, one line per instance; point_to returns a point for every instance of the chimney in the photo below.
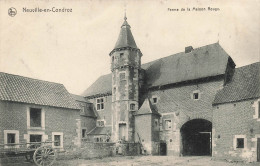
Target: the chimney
pixel 188 49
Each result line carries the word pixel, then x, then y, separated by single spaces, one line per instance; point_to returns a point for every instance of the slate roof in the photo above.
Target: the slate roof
pixel 245 84
pixel 125 38
pixel 101 130
pixel 28 90
pixel 147 108
pixel 206 61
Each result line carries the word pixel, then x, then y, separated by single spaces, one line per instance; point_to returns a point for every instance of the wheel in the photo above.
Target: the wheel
pixel 44 156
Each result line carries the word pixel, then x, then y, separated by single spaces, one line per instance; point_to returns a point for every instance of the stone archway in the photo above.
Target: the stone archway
pixel 196 137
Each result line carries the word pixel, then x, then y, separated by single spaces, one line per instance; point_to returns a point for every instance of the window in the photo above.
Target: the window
pixel 154 99
pixel 100 103
pixel 57 139
pixel 11 137
pixel 240 143
pixel 83 133
pixel 132 107
pixel 121 55
pixel 112 58
pixel 35 138
pixel 168 124
pixel 195 96
pixel 156 125
pixel 100 123
pixel 35 117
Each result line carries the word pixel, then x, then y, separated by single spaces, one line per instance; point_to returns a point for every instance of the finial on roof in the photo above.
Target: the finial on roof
pixel 125 18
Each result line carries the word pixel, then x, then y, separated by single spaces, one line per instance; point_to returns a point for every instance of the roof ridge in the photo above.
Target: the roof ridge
pixel 31 78
pixel 180 53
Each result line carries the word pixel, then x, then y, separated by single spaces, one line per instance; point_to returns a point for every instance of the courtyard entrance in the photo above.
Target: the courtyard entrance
pixel 196 138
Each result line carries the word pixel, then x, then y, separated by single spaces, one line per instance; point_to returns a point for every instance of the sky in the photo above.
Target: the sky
pixel 73 48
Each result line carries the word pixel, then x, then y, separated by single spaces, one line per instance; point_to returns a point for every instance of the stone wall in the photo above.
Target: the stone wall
pixel 105 149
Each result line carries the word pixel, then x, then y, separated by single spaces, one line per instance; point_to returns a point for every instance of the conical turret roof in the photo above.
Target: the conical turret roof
pixel 125 38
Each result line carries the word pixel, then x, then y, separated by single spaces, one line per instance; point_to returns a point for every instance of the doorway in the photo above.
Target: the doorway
pixel 196 138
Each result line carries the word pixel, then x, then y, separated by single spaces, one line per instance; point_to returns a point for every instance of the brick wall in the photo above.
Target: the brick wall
pixel 14 117
pixel 233 119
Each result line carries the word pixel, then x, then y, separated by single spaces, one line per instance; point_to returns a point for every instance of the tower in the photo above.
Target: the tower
pixel 125 67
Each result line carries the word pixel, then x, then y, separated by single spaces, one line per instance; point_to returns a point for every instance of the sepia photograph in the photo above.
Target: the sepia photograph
pixel 129 82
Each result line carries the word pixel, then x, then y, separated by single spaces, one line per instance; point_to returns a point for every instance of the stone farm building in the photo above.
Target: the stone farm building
pixel 191 103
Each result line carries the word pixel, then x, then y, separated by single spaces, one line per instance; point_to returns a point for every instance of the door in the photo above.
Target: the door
pixel 163 149
pixel 122 131
pixel 258 149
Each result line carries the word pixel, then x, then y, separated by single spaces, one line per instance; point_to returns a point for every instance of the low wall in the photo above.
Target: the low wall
pixel 96 150
pixel 105 149
pixel 90 150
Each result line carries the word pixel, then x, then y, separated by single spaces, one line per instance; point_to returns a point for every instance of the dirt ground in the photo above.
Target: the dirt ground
pixel 142 161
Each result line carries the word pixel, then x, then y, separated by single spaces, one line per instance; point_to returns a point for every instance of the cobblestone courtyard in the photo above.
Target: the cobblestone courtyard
pixel 143 160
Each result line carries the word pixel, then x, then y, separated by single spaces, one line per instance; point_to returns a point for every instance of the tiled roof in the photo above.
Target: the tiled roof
pixel 206 61
pixel 27 90
pixel 101 131
pixel 147 108
pixel 103 85
pixel 79 98
pixel 245 84
pixel 89 106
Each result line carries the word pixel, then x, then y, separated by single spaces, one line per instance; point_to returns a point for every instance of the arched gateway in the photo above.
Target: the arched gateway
pixel 196 137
